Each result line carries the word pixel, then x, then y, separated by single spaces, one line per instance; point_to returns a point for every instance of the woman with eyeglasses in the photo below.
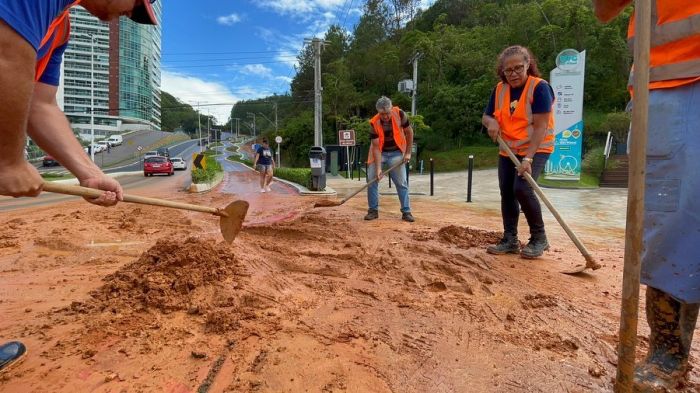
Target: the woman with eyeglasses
pixel 520 112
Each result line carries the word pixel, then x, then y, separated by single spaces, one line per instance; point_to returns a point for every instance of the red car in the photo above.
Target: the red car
pixel 153 165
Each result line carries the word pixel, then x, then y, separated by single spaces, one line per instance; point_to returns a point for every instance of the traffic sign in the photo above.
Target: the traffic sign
pixel 198 161
pixel 346 137
pixel 139 148
pixel 278 139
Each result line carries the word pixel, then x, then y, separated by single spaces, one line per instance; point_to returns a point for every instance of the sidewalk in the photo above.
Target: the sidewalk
pixel 603 208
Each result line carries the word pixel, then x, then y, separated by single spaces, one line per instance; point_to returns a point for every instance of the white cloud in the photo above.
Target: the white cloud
pixel 256 69
pixel 190 89
pixel 300 7
pixel 229 20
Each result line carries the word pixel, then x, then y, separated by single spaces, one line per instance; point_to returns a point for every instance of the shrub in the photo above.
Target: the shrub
pixel 207 175
pixel 296 175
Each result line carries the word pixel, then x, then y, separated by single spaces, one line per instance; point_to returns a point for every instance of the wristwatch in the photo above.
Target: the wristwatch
pixel 528 159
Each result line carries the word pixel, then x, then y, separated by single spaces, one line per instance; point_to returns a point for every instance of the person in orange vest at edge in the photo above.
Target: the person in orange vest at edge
pixel 520 111
pixel 670 262
pixel 33 36
pixel 391 138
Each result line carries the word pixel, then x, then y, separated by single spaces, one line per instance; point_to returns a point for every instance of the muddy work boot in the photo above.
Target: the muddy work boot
pixel 407 216
pixel 509 244
pixel 535 247
pixel 372 214
pixel 10 354
pixel 672 324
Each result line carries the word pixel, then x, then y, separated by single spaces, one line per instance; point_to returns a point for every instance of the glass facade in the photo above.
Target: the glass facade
pixel 139 69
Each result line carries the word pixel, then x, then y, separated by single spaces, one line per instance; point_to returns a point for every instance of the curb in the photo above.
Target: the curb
pixel 75 181
pixel 197 188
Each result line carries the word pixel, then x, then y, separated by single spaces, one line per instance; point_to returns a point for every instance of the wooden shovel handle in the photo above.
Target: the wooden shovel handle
pixel 376 179
pixel 590 261
pixel 93 193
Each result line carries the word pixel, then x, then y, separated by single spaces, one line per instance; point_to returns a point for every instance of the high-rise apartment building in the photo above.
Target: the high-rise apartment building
pixel 112 72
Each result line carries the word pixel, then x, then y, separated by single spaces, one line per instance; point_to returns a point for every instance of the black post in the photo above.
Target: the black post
pixel 432 178
pixel 389 176
pixel 359 166
pixel 469 182
pixel 366 172
pixel 408 173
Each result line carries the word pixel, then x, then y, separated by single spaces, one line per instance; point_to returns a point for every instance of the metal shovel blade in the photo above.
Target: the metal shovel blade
pixel 590 264
pixel 232 223
pixel 327 203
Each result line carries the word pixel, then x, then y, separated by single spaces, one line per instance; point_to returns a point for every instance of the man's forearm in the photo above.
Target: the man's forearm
pixel 606 10
pixel 50 129
pixel 409 138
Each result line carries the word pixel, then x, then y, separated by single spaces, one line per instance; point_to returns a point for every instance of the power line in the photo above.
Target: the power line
pixel 229 59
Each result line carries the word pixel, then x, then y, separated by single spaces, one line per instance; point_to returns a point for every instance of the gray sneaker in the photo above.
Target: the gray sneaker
pixel 507 245
pixel 535 247
pixel 407 216
pixel 372 214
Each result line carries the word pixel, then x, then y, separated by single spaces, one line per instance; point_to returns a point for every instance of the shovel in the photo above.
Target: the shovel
pixel 590 262
pixel 327 203
pixel 231 221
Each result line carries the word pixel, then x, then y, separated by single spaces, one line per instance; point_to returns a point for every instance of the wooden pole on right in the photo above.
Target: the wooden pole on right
pixel 629 315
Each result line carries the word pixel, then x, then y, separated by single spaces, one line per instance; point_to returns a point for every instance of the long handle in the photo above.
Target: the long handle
pixel 629 312
pixel 590 262
pixel 93 193
pixel 359 190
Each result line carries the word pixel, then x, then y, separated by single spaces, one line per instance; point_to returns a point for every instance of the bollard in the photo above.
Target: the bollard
pixel 432 177
pixel 469 181
pixel 359 168
pixel 389 176
pixel 422 166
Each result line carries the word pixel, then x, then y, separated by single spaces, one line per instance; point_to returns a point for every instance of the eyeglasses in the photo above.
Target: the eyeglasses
pixel 517 70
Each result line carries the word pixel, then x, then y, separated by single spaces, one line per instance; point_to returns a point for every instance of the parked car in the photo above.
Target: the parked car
pixel 151 153
pixel 49 161
pixel 178 163
pixel 115 140
pixel 98 148
pixel 163 152
pixel 152 165
pixel 104 144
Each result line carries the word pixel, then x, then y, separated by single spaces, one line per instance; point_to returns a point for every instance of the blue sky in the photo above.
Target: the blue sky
pixel 223 51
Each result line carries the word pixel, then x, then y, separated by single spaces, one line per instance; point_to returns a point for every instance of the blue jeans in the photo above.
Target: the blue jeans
pixel 398 176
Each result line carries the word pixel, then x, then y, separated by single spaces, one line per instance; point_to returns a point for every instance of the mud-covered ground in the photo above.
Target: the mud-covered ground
pixel 141 299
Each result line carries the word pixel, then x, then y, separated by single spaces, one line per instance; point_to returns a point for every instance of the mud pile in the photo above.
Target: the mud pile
pixel 462 237
pixel 168 276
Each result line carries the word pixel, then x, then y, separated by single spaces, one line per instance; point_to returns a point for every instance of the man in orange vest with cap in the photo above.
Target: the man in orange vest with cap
pixel 33 37
pixel 670 262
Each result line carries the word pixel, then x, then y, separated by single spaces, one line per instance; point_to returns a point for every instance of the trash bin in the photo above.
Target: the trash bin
pixel 317 159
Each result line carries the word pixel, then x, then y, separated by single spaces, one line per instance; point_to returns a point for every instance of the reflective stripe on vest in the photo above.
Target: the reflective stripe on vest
pixel 399 137
pixel 59 30
pixel 519 139
pixel 675 40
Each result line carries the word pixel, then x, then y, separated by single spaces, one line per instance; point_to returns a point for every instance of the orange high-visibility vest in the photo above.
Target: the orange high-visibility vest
pixel 59 30
pixel 517 129
pixel 399 136
pixel 675 43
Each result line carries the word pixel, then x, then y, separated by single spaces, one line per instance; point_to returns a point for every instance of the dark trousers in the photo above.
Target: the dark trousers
pixel 517 193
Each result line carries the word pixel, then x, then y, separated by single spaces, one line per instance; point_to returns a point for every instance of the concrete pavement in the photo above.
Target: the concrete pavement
pixel 603 208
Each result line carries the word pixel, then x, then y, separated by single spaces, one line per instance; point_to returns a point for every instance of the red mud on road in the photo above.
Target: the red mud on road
pixel 141 299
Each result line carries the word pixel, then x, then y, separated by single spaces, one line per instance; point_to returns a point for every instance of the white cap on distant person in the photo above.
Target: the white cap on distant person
pixel 143 12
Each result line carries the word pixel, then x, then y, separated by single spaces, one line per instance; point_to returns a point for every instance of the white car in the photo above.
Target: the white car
pixel 178 163
pixel 97 148
pixel 151 153
pixel 105 145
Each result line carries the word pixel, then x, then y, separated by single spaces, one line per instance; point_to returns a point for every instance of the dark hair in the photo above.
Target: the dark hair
pixel 265 140
pixel 517 50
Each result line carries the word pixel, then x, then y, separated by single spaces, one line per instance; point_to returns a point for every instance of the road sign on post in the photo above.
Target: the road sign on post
pixel 347 138
pixel 198 161
pixel 278 139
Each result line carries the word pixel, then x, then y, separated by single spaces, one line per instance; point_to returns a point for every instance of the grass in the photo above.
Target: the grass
pixel 54 176
pixel 456 160
pixel 587 181
pixel 238 158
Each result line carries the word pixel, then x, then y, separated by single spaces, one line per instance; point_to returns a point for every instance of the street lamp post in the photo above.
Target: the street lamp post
pixel 238 126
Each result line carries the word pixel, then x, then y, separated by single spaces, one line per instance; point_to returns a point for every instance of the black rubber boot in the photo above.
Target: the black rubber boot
pixel 535 247
pixel 509 244
pixel 407 216
pixel 372 214
pixel 672 324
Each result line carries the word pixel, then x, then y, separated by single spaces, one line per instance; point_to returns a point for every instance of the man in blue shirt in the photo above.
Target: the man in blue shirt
pixel 33 37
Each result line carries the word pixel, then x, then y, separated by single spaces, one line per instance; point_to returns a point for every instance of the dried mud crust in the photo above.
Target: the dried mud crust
pixel 462 237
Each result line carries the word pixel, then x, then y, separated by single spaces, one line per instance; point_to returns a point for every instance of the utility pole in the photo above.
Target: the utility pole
pixel 199 126
pixel 253 114
pixel 318 90
pixel 276 119
pixel 208 127
pixel 414 93
pixel 238 124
